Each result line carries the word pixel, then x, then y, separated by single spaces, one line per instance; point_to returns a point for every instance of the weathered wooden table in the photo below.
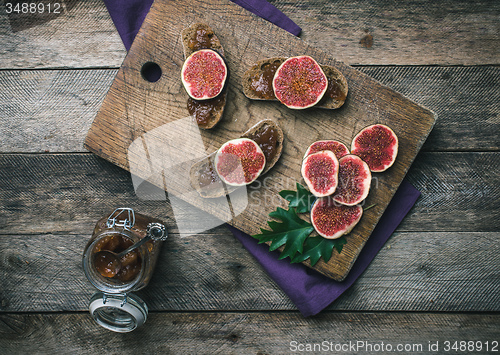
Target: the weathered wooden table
pixel 436 281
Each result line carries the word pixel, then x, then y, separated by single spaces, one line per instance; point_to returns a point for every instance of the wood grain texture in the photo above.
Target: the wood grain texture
pixel 82 36
pixel 447 33
pixel 49 110
pixel 52 111
pixel 456 184
pixel 139 118
pixel 443 258
pixel 49 204
pixel 464 98
pixel 405 32
pixel 72 191
pixel 415 271
pixel 242 333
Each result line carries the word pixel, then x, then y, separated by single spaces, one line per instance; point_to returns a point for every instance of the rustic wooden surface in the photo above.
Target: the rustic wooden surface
pixel 436 279
pixel 135 110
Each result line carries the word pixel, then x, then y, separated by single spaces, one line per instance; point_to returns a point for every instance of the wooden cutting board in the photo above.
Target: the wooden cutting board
pixel 139 120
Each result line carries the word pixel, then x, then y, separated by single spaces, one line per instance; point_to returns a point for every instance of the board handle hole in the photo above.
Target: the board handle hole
pixel 151 72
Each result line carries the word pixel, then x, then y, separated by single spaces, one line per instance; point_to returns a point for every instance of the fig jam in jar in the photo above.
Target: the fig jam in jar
pixel 114 307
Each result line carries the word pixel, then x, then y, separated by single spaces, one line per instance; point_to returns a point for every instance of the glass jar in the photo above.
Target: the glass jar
pixel 114 307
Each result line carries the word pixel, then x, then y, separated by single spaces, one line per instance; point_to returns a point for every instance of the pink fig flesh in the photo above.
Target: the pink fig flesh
pixel 299 82
pixel 320 172
pixel 204 74
pixel 332 220
pixel 239 162
pixel 339 149
pixel 354 180
pixel 377 145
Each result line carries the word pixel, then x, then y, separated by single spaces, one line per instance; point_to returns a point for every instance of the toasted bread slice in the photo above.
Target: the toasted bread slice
pixel 195 37
pixel 200 36
pixel 261 74
pixel 203 175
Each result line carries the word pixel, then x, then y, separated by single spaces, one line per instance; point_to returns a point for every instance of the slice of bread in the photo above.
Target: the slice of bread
pixel 205 168
pixel 190 34
pixel 195 37
pixel 254 77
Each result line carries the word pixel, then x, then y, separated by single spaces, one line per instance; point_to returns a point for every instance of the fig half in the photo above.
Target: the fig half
pixel 320 172
pixel 332 220
pixel 377 145
pixel 204 74
pixel 339 149
pixel 354 180
pixel 299 82
pixel 239 162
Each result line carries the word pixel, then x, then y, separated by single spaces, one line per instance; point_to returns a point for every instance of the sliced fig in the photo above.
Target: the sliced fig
pixel 204 74
pixel 339 149
pixel 239 162
pixel 377 145
pixel 320 172
pixel 299 82
pixel 258 83
pixel 203 176
pixel 332 220
pixel 354 180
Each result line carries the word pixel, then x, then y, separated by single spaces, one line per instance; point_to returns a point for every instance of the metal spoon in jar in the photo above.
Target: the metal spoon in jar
pixel 108 263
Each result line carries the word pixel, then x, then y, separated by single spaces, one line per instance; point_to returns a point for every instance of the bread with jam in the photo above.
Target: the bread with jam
pixel 257 83
pixel 204 178
pixel 206 112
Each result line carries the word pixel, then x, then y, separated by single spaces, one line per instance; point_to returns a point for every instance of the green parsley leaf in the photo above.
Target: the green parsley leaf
pixel 317 248
pixel 292 231
pixel 301 199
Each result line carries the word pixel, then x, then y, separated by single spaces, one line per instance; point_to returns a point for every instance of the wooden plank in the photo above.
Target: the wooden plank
pixel 464 98
pixel 430 271
pixel 82 36
pixel 49 110
pixel 415 271
pixel 245 333
pixel 72 191
pixel 410 32
pixel 49 204
pixel 44 110
pixel 140 121
pixel 452 185
pixel 448 33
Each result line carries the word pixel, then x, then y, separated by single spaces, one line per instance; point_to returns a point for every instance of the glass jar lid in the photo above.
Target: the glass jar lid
pixel 118 312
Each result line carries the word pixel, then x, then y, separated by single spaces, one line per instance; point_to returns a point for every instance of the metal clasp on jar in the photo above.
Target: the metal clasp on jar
pixel 126 223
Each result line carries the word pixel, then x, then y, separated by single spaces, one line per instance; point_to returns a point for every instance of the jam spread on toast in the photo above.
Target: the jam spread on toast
pixel 334 90
pixel 267 139
pixel 204 110
pixel 262 82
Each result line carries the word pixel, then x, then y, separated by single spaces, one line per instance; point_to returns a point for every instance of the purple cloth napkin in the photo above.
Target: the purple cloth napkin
pixel 310 291
pixel 129 15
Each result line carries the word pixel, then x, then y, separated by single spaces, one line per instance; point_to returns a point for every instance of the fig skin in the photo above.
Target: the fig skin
pixel 322 181
pixel 204 168
pixel 245 163
pixel 332 220
pixel 377 145
pixel 195 83
pixel 353 186
pixel 305 84
pixel 336 147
